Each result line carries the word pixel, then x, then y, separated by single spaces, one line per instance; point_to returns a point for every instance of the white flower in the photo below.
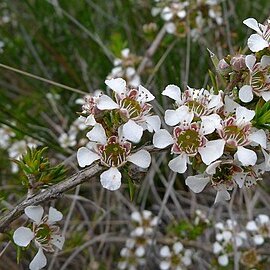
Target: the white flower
pixel 113 152
pixel 133 107
pixel 261 40
pixel 223 260
pixel 144 222
pixel 125 67
pixel 67 140
pixel 44 233
pixel 175 258
pixel 89 108
pixel 260 229
pixel 188 140
pixel 236 132
pixel 199 101
pixel 222 175
pixel 259 79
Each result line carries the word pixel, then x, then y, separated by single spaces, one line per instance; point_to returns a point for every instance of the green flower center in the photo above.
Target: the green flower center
pixel 189 141
pixel 43 233
pixel 114 154
pixel 258 80
pixel 233 135
pixel 196 107
pixel 132 106
pixel 223 174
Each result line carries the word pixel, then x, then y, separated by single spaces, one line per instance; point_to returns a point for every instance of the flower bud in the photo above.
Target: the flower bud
pixel 238 62
pixel 223 67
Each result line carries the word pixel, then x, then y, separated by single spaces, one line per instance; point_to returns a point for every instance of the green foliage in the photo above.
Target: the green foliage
pixel 184 229
pixel 38 172
pixel 262 116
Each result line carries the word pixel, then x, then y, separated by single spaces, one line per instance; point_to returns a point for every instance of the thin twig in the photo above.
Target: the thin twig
pixel 51 193
pixel 42 79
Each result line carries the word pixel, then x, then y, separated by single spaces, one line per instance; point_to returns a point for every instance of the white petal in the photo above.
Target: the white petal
pixel 164 265
pixel 140 251
pixel 265 61
pixel 259 137
pixel 179 164
pixel 39 261
pixel 223 260
pixel 118 85
pixel 165 252
pixel 222 195
pixel 263 219
pixel 172 91
pixel 186 115
pixel 172 117
pixel 125 52
pixel 211 169
pixel 244 115
pixel 266 96
pixel 177 247
pixel 166 14
pixel 162 138
pixel 97 134
pixel 136 216
pixel 257 43
pixel 90 120
pixel 34 212
pixel 252 226
pixel 229 106
pixel 250 61
pixel 258 239
pixel 220 226
pixel 246 93
pixel 227 236
pixel 23 236
pixel 239 178
pixel 245 156
pixel 58 241
pixel 132 131
pixel 153 123
pixel 111 179
pixel 210 123
pixel 253 24
pixel 106 103
pixel 86 157
pixel 181 14
pixel 216 101
pixel 54 215
pixel 211 151
pixel 144 94
pixel 142 158
pixel 197 182
pixel 170 27
pixel 217 248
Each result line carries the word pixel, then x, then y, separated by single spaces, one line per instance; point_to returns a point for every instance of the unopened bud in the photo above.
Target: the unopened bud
pixel 223 67
pixel 238 62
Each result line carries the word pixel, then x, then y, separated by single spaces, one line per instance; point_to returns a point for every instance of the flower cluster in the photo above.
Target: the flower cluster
pixel 212 130
pixel 132 255
pixel 117 124
pixel 125 67
pixel 230 239
pixel 175 258
pixel 259 229
pixel 201 15
pixel 44 232
pixel 227 239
